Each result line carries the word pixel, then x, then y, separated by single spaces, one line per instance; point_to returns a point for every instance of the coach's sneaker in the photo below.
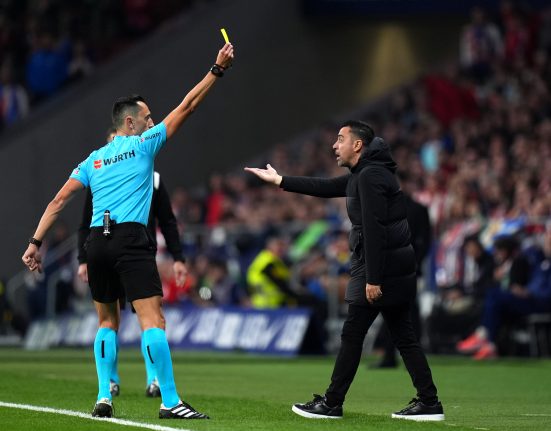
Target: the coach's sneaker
pixel 419 411
pixel 153 390
pixel 182 410
pixel 103 408
pixel 114 388
pixel 318 409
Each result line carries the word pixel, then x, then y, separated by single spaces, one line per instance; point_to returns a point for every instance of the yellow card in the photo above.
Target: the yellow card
pixel 223 30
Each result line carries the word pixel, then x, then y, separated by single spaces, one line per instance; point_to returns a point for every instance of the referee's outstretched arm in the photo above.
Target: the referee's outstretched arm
pixel 174 120
pixel 31 257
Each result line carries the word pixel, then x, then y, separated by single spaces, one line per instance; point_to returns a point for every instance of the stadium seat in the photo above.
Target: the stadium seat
pixel 539 326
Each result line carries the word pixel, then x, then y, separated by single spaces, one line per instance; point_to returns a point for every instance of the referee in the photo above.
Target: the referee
pixel 121 255
pixel 161 212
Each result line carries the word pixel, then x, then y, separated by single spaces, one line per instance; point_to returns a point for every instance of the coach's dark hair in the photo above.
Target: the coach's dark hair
pixel 361 129
pixel 123 106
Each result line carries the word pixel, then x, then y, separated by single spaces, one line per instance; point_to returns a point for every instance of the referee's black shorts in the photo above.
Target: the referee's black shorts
pixel 122 264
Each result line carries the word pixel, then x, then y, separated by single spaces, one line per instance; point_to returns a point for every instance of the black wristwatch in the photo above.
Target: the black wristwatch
pixel 35 241
pixel 217 70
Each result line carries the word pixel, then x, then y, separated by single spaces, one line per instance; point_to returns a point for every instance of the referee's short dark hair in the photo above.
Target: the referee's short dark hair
pixel 123 106
pixel 361 129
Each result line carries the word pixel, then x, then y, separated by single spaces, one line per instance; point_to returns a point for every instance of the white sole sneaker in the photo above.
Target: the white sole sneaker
pixel 420 418
pixel 312 415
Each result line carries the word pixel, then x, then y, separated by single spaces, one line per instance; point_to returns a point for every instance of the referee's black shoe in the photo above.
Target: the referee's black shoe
pixel 153 390
pixel 318 409
pixel 114 388
pixel 103 408
pixel 417 410
pixel 182 410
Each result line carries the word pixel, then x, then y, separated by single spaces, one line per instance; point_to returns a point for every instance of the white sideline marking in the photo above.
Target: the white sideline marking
pixel 456 425
pixel 535 414
pixel 89 416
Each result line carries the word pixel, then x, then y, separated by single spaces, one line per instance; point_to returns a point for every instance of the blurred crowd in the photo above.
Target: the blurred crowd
pixel 473 142
pixel 47 44
pixel 474 138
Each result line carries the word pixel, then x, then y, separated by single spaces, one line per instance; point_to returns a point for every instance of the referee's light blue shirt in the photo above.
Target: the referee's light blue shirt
pixel 120 176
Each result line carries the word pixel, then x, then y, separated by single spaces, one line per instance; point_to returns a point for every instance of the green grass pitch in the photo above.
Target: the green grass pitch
pixel 242 392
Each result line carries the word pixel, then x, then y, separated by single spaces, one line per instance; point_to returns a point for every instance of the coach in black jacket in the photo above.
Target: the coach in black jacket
pixel 382 267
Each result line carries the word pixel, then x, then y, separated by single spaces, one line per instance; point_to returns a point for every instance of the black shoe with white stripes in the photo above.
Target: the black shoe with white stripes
pixel 103 408
pixel 180 411
pixel 318 409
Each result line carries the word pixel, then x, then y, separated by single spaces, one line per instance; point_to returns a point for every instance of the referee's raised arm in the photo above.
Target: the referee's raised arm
pixel 175 119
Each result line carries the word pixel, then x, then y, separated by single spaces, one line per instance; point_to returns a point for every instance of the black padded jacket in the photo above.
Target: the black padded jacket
pixel 380 237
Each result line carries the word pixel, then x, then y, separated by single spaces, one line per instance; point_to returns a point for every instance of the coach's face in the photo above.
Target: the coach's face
pixel 142 121
pixel 347 148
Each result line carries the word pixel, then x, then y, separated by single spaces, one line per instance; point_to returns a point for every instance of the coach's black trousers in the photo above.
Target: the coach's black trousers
pixel 356 325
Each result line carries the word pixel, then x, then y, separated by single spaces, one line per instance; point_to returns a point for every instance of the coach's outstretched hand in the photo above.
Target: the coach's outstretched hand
pixel 225 56
pixel 269 174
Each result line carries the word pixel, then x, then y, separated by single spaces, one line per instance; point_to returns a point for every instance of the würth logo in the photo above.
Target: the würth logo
pixel 118 158
pixel 115 159
pixel 154 135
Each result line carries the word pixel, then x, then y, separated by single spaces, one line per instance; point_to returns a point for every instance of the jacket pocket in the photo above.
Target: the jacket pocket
pixel 355 242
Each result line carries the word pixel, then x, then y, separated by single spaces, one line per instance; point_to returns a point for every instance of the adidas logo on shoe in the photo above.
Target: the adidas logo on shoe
pixel 318 409
pixel 103 408
pixel 182 410
pixel 419 411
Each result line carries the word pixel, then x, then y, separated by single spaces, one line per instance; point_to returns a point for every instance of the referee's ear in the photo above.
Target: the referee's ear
pixel 129 126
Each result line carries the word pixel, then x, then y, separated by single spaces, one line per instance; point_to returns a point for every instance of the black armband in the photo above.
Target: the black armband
pixel 35 241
